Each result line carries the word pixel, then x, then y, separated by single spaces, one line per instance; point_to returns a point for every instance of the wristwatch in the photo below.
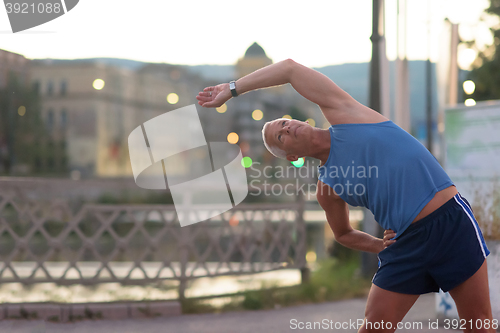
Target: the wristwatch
pixel 232 87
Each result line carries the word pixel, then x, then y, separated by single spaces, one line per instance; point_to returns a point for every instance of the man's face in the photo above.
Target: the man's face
pixel 290 135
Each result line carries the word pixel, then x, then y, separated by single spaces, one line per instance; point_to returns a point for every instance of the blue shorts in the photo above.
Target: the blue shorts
pixel 440 251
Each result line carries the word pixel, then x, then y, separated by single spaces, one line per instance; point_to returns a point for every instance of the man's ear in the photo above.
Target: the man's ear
pixel 291 157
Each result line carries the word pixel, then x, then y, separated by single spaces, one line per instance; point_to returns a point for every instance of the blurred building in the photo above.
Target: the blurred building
pixel 94 118
pixel 255 57
pixel 13 64
pixel 92 123
pixel 18 117
pixel 274 103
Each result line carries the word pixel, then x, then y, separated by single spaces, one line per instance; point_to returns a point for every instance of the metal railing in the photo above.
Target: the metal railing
pixel 139 244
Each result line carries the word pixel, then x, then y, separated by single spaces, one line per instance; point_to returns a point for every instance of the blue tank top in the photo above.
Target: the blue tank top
pixel 383 168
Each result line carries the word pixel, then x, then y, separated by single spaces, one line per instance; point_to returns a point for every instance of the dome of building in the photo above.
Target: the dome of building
pixel 255 58
pixel 255 50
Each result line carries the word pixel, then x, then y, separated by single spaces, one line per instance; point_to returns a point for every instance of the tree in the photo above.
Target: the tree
pixel 20 125
pixel 486 67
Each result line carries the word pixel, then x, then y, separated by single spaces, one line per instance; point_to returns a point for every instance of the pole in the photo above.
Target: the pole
pixel 401 100
pixel 429 82
pixel 302 242
pixel 429 105
pixel 369 261
pixel 10 128
pixel 376 38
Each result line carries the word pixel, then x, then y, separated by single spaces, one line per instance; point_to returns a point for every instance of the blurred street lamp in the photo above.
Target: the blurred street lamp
pixel 469 87
pixel 222 108
pixel 257 115
pixel 172 98
pixel 466 56
pixel 311 122
pixel 21 110
pixel 98 84
pixel 311 256
pixel 232 138
pixel 470 102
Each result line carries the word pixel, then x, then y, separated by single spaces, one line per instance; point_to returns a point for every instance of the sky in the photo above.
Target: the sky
pixel 315 33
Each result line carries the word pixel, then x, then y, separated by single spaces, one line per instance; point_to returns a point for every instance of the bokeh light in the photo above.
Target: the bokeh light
pixel 311 122
pixel 222 108
pixel 172 98
pixel 233 221
pixel 298 163
pixel 98 84
pixel 257 114
pixel 311 256
pixel 287 116
pixel 22 110
pixel 470 102
pixel 246 162
pixel 233 138
pixel 469 87
pixel 466 57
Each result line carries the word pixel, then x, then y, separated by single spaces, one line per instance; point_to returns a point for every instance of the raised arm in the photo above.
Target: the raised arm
pixel 334 102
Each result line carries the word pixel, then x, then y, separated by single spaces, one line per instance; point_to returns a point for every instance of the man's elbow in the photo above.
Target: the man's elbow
pixel 289 65
pixel 342 238
pixel 290 62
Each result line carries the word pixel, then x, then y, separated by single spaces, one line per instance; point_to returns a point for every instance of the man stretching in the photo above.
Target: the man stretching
pixel 434 239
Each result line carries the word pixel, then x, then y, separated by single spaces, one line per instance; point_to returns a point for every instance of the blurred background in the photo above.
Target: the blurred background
pixel 75 227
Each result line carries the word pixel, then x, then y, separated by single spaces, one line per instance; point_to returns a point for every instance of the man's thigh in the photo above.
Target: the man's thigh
pixel 385 309
pixel 472 298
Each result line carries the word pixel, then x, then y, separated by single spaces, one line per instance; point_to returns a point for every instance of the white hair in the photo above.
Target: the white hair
pixel 280 153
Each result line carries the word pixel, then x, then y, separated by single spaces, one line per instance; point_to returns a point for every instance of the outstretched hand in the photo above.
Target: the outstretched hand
pixel 388 235
pixel 215 96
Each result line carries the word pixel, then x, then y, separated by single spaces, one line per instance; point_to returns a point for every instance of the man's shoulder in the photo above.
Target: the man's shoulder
pixel 355 113
pixel 325 192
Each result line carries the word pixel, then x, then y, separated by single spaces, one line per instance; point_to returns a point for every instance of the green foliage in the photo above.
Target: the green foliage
pixel 342 253
pixel 254 300
pixel 486 68
pixel 20 135
pixel 196 306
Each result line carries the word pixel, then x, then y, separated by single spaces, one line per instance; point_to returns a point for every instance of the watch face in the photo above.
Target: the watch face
pixel 232 87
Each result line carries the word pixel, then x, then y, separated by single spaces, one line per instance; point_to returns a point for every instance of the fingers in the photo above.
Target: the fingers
pixel 389 233
pixel 204 98
pixel 207 97
pixel 207 101
pixel 388 237
pixel 208 104
pixel 389 243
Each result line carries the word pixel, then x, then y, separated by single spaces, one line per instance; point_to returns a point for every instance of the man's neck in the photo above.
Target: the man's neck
pixel 320 144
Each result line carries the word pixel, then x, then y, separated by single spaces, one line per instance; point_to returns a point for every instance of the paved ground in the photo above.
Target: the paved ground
pixel 273 321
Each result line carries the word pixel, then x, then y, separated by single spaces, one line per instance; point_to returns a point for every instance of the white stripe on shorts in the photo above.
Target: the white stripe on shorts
pixel 473 223
pixel 465 202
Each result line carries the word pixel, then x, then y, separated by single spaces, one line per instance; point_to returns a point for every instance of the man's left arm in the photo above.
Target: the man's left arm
pixel 337 215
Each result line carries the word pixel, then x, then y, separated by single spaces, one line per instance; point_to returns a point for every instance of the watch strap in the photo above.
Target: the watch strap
pixel 232 87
